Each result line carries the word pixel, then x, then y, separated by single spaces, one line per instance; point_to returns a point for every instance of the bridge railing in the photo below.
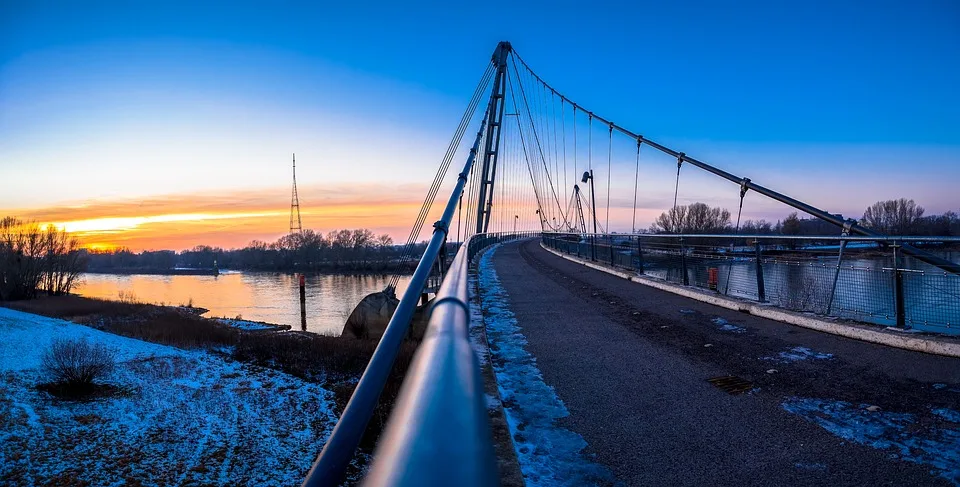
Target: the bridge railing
pixel 865 279
pixel 439 430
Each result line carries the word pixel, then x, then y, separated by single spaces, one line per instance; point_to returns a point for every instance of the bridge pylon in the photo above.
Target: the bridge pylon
pixel 488 168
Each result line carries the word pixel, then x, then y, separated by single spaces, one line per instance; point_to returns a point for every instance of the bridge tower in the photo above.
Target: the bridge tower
pixel 295 224
pixel 488 169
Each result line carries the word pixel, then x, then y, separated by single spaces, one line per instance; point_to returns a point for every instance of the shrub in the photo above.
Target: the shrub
pixel 78 364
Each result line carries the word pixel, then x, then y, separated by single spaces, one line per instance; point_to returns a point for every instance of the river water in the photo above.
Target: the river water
pixel 257 296
pixel 864 291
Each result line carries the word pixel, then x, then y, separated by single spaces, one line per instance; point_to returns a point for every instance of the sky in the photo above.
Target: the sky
pixel 170 124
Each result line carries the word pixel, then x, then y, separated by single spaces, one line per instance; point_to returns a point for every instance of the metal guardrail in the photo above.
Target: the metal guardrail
pixel 439 430
pixel 867 279
pixel 337 453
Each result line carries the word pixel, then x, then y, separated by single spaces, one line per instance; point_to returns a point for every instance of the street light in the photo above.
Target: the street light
pixel 588 175
pixel 515 218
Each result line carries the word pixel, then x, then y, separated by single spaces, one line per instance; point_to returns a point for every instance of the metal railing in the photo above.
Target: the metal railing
pixel 868 279
pixel 439 431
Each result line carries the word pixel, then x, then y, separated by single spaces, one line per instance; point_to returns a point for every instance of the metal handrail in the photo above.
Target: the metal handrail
pixel 848 238
pixel 330 465
pixel 439 431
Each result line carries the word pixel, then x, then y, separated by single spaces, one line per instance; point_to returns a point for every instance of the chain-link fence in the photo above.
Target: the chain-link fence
pixel 846 277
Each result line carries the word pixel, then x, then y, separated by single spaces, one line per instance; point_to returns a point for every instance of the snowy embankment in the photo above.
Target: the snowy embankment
pixel 548 454
pixel 190 417
pixel 248 325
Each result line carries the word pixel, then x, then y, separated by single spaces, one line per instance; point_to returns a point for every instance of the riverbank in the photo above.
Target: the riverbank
pixel 256 296
pixel 183 417
pixel 149 271
pixel 335 363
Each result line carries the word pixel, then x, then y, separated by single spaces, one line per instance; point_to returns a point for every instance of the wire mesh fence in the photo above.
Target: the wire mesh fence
pixel 845 277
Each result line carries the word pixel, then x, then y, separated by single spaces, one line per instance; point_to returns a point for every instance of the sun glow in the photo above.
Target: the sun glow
pixel 100 247
pixel 121 224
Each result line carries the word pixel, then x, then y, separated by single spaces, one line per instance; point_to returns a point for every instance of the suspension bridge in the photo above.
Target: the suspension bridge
pixel 673 357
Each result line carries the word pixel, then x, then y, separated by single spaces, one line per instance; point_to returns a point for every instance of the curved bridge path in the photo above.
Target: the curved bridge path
pixel 632 364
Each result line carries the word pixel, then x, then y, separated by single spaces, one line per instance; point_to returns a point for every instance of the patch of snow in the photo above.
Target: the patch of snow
pixel 477 338
pixel 899 433
pixel 948 414
pixel 492 401
pixel 799 354
pixel 548 454
pixel 245 324
pixel 190 417
pixel 727 326
pixel 25 338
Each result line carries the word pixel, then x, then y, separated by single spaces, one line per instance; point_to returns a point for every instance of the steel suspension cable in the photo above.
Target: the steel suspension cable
pixel 526 155
pixel 609 169
pixel 676 191
pixel 441 173
pixel 743 192
pixel 563 132
pixel 539 146
pixel 636 182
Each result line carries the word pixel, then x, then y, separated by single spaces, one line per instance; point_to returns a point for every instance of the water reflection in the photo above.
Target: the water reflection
pixel 271 297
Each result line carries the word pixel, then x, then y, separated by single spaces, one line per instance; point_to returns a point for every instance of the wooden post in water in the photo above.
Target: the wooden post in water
pixel 303 304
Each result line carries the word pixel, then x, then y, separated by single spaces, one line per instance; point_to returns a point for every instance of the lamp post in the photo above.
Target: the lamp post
pixel 515 218
pixel 588 175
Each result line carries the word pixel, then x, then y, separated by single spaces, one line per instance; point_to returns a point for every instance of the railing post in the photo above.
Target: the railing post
pixel 898 288
pixel 761 292
pixel 593 247
pixel 610 241
pixel 640 255
pixel 683 264
pixel 836 277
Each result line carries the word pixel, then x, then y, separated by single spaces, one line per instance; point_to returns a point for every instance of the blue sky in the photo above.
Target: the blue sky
pixel 844 103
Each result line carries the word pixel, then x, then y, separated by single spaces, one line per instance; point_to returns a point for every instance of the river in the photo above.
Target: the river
pixel 258 296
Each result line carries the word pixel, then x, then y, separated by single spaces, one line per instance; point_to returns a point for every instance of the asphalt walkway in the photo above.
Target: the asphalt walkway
pixel 632 363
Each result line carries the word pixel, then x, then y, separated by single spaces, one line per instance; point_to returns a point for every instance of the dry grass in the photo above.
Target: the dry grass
pixel 158 324
pixel 337 362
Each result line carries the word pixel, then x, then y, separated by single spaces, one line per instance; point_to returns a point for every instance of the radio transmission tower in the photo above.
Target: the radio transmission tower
pixel 295 225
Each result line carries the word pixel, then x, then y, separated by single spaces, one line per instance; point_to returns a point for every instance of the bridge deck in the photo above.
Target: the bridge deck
pixel 631 365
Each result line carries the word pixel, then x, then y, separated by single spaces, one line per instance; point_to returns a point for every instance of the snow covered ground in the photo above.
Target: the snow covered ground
pixel 246 325
pixel 549 455
pixel 900 434
pixel 191 417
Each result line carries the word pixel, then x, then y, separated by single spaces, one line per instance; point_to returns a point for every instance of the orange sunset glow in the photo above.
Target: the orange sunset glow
pixel 226 219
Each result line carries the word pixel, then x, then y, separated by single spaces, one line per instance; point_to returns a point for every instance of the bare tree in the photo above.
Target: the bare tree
pixel 791 225
pixel 34 259
pixel 696 218
pixel 670 221
pixel 893 217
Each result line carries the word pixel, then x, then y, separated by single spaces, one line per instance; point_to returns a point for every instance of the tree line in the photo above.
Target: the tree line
pixel 890 217
pixel 338 250
pixel 35 259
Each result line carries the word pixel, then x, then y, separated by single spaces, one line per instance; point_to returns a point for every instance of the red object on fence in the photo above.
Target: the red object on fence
pixel 713 277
